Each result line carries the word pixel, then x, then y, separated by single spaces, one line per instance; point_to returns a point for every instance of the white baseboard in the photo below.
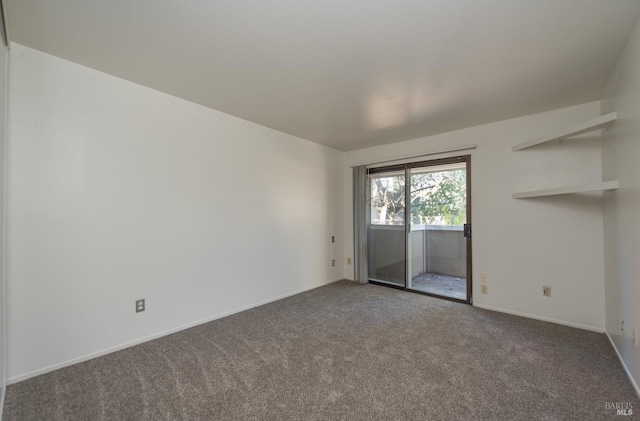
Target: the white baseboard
pixel 21 377
pixel 624 366
pixel 544 319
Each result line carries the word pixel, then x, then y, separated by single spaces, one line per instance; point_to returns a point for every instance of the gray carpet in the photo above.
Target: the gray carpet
pixel 343 352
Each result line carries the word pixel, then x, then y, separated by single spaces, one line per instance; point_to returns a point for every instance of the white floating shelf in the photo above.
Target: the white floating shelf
pixel 583 188
pixel 584 127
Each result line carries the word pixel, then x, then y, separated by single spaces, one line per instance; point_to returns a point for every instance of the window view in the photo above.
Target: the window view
pixel 437 198
pixel 387 200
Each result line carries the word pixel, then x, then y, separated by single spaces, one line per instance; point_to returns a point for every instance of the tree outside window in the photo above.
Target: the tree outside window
pixel 437 198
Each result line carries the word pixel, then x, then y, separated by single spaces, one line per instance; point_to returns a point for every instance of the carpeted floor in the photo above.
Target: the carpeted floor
pixel 343 352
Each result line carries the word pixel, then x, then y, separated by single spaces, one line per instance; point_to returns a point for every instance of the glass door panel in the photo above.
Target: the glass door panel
pixel 436 241
pixel 386 236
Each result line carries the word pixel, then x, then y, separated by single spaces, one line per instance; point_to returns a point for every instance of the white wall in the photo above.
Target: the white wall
pixel 117 192
pixel 621 152
pixel 524 244
pixel 3 75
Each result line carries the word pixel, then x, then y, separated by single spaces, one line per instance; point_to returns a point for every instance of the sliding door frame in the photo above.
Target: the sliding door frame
pixel 407 220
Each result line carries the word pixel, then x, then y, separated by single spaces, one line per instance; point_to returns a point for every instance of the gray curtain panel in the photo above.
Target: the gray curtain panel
pixel 360 224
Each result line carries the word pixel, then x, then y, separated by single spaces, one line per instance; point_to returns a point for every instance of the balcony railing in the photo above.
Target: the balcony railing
pixel 439 249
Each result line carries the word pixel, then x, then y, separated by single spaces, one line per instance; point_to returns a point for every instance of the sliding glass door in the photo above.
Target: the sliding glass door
pixel 419 228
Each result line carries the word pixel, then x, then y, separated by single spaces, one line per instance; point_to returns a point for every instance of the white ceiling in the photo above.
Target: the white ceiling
pixel 344 73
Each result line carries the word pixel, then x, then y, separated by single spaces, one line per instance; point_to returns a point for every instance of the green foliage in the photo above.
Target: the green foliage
pixel 437 198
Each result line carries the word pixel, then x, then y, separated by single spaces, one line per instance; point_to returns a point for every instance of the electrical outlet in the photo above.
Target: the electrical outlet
pixel 484 289
pixel 546 291
pixel 622 331
pixel 139 305
pixel 333 262
pixel 483 278
pixel 348 260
